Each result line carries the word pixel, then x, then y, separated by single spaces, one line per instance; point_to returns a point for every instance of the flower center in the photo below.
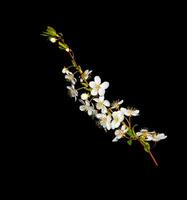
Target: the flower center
pixel 116 119
pixel 104 120
pixel 97 86
pixel 100 104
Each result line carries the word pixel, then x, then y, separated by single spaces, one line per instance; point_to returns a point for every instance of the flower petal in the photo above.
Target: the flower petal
pixel 89 112
pixel 123 110
pixel 65 71
pixel 99 116
pixel 82 108
pixel 120 102
pixel 81 101
pixel 117 124
pixel 113 125
pixel 115 139
pixel 104 110
pixel 84 96
pixel 101 92
pixel 92 84
pixel 149 138
pixel 144 130
pixel 101 98
pixel 96 99
pixel 87 103
pixel 139 134
pixel 107 103
pixel 97 79
pixel 135 112
pixel 94 92
pixel 121 118
pixel 161 136
pixel 117 132
pixel 105 85
pixel 124 128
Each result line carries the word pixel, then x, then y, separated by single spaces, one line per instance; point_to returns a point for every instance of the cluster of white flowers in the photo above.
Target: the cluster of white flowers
pixel 91 94
pixel 110 116
pixel 69 76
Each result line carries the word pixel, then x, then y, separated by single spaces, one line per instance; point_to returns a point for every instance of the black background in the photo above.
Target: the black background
pixel 137 49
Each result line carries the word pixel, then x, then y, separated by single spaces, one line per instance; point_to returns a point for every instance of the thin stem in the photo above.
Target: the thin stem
pixel 130 122
pixel 75 72
pixel 124 124
pixel 127 122
pixel 86 81
pixel 81 88
pixel 69 67
pixel 91 99
pixel 110 110
pixel 126 136
pixel 153 158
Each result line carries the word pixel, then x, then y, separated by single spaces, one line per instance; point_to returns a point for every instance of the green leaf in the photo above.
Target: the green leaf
pixel 130 132
pixel 147 147
pixel 88 89
pixel 85 84
pixel 129 142
pixel 44 34
pixel 62 45
pixel 51 31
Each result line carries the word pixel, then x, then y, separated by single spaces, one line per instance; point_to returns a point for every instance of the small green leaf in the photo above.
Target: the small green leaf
pixel 85 84
pixel 147 147
pixel 130 132
pixel 129 142
pixel 62 45
pixel 51 31
pixel 88 89
pixel 44 34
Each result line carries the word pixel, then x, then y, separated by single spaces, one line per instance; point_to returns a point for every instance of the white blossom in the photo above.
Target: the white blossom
pixel 72 91
pixel 85 75
pixel 118 117
pixel 116 104
pixel 143 132
pixel 70 77
pixel 151 136
pixel 119 133
pixel 105 120
pixel 102 104
pixel 97 87
pixel 155 137
pixel 65 70
pixel 130 112
pixel 87 107
pixel 85 96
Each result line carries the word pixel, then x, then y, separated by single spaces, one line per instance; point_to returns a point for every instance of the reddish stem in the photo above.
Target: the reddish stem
pixel 153 158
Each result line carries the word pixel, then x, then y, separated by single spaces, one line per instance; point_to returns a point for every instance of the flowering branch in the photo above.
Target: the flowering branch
pixel 91 94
